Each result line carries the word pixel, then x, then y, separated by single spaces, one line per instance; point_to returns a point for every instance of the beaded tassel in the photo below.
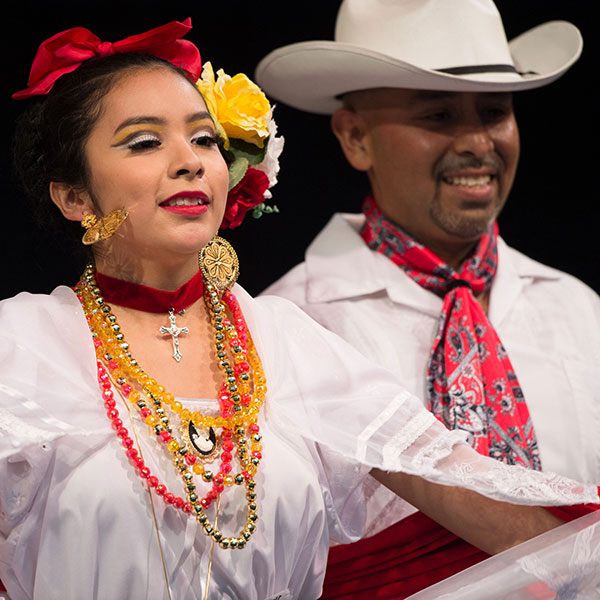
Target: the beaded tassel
pixel 240 399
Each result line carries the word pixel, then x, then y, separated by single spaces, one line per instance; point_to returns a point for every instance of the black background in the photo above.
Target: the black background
pixel 552 214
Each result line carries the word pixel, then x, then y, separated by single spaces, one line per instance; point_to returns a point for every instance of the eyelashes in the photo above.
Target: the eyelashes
pixel 143 142
pixel 147 141
pixel 207 139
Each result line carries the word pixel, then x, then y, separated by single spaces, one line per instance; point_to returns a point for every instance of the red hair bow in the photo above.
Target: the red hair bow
pixel 65 51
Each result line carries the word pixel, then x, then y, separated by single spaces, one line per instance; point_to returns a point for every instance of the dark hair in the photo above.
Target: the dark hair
pixel 50 135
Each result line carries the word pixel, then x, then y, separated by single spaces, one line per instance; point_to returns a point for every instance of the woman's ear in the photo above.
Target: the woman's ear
pixel 73 204
pixel 352 134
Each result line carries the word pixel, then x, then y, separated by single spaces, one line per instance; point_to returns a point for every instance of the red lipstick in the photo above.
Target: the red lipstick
pixel 182 203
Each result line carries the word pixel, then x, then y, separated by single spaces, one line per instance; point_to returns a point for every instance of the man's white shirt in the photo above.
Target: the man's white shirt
pixel 548 321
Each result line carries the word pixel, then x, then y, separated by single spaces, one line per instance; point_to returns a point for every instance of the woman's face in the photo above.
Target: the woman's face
pixel 153 151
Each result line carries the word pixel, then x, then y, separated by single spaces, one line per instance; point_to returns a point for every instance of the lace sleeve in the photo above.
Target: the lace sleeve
pixel 327 392
pixel 441 457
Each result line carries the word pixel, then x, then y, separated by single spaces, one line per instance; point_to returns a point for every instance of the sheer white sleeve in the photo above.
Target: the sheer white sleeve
pixel 326 391
pixel 34 379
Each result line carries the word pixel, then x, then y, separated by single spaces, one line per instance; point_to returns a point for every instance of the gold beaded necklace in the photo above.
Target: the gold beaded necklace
pixel 240 398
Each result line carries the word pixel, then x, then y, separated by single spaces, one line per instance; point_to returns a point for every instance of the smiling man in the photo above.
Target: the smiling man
pixel 500 347
pixel 440 164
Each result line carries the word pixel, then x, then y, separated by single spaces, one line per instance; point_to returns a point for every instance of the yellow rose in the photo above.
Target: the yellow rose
pixel 206 86
pixel 237 104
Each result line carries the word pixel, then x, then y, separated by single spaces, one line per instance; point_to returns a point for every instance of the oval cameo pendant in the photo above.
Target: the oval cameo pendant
pixel 200 441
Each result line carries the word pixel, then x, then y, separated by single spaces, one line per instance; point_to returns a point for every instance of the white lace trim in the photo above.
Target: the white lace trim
pixel 438 449
pixel 382 418
pixel 496 479
pixel 403 439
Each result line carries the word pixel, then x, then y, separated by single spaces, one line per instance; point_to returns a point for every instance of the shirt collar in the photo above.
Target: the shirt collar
pixel 340 266
pixel 515 271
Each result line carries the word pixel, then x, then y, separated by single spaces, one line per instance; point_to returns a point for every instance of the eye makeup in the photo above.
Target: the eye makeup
pixel 199 124
pixel 149 129
pixel 134 132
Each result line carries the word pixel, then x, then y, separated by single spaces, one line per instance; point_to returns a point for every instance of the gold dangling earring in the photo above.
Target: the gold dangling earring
pixel 102 229
pixel 219 263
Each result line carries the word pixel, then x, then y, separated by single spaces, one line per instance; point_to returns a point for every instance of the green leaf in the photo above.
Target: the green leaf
pixel 237 170
pixel 263 209
pixel 252 153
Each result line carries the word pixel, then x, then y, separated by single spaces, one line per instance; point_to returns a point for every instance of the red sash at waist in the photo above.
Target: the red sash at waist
pixel 406 558
pixel 397 562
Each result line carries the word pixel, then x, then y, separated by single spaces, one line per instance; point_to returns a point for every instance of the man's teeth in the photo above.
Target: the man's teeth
pixel 479 181
pixel 185 202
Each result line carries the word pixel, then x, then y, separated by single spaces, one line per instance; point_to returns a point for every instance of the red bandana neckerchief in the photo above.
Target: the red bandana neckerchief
pixel 148 299
pixel 471 383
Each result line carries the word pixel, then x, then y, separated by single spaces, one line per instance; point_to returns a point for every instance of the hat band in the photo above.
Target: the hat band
pixel 470 70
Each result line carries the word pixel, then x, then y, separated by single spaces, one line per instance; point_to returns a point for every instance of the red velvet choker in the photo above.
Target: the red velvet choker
pixel 142 297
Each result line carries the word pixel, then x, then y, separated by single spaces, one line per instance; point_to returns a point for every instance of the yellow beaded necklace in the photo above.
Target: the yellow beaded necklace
pixel 240 398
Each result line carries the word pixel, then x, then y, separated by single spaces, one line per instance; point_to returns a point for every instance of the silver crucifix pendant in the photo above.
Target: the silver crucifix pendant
pixel 174 332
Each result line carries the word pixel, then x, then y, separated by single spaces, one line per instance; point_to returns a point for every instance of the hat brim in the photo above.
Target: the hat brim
pixel 311 76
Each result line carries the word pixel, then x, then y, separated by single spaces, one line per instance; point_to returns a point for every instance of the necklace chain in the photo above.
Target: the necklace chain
pixel 151 500
pixel 240 398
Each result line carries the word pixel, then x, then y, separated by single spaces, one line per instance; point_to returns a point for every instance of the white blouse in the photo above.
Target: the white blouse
pixel 77 522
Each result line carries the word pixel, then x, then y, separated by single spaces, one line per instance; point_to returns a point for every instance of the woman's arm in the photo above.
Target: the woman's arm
pixel 490 525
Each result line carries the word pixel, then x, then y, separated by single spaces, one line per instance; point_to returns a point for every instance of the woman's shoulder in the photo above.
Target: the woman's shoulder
pixel 47 363
pixel 26 307
pixel 43 329
pixel 29 317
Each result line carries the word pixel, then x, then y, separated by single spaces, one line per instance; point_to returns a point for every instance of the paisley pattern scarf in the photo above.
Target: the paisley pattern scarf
pixel 471 383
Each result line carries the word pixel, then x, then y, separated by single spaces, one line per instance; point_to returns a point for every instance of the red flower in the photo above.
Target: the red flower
pixel 247 194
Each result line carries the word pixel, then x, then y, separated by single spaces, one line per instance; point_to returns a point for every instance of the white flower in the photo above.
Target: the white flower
pixel 270 164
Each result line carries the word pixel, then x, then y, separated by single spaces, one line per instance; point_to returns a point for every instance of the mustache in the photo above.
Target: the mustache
pixel 450 163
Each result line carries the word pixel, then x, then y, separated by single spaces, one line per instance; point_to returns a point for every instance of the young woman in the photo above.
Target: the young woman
pixel 165 435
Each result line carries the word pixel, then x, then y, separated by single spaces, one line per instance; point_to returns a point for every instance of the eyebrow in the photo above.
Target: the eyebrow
pixel 150 120
pixel 199 116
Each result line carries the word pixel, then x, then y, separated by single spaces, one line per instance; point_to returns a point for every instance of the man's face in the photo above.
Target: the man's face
pixel 441 164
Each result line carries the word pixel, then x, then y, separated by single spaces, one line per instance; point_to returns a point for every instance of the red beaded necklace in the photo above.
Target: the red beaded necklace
pixel 240 399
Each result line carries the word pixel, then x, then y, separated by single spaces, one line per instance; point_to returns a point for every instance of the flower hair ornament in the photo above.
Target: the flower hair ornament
pixel 239 108
pixel 245 124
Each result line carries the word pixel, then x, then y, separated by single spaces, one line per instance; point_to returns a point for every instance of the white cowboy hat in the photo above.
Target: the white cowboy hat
pixel 449 45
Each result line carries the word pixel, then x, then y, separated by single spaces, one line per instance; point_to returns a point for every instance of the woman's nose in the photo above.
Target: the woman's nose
pixel 185 160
